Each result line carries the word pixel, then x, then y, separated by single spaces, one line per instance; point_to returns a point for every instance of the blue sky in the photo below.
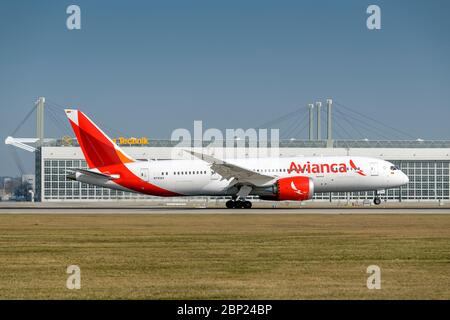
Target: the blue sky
pixel 148 67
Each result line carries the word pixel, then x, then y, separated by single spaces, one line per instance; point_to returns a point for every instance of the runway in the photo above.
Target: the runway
pixel 85 209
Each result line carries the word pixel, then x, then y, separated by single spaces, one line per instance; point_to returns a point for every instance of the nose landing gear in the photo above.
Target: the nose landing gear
pixel 377 199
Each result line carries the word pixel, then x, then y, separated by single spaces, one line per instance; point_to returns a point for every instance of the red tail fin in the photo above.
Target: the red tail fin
pixel 98 149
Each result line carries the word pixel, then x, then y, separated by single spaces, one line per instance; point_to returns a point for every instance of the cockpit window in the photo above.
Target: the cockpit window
pixel 394 168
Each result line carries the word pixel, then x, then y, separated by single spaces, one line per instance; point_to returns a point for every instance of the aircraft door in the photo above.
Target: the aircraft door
pixel 144 174
pixel 374 169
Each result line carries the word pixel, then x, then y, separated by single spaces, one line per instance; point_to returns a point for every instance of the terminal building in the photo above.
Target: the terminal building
pixel 426 162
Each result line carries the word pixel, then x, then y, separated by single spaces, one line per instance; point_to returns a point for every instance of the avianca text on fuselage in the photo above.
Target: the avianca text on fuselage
pixel 309 167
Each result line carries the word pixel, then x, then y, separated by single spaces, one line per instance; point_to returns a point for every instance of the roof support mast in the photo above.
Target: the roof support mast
pixel 311 121
pixel 318 107
pixel 329 129
pixel 40 121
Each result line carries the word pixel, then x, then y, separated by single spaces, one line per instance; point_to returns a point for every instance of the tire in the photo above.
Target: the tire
pixel 230 204
pixel 377 201
pixel 247 204
pixel 240 204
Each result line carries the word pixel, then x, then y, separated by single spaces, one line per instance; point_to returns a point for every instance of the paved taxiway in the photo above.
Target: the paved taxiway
pixel 165 210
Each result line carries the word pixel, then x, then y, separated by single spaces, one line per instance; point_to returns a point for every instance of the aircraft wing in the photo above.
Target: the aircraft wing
pixel 231 171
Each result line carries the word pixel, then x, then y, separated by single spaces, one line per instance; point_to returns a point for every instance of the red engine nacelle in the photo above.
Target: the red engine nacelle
pixel 292 188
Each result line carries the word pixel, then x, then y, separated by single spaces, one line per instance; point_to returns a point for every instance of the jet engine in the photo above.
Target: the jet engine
pixel 291 188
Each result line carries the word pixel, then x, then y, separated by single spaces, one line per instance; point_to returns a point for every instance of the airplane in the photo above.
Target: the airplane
pixel 275 179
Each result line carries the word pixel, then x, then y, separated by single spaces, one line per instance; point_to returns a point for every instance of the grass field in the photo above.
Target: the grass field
pixel 224 256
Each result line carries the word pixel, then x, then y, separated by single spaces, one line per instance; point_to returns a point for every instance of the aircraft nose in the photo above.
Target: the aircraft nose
pixel 405 178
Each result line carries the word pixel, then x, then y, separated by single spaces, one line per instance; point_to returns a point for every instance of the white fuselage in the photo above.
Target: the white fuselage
pixel 329 174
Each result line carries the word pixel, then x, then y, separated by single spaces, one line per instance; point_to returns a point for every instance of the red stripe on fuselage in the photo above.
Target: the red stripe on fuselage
pixel 130 181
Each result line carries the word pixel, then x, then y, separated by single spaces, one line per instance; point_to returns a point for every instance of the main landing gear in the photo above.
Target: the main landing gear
pixel 238 200
pixel 238 204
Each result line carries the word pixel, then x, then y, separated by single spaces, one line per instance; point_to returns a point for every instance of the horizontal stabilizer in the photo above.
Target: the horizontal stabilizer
pixel 92 174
